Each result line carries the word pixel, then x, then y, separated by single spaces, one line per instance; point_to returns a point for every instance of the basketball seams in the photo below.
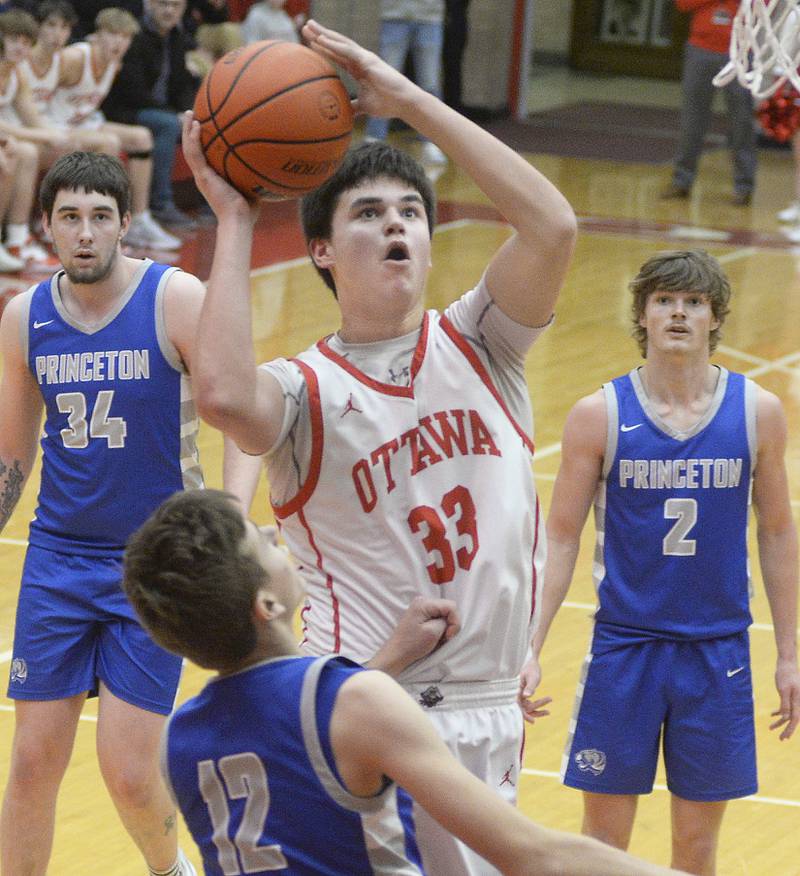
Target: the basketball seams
pixel 261 176
pixel 214 110
pixel 295 136
pixel 302 142
pixel 277 94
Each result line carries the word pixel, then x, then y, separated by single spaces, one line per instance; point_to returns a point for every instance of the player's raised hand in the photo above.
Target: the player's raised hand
pixel 787 681
pixel 382 90
pixel 425 625
pixel 220 195
pixel 529 678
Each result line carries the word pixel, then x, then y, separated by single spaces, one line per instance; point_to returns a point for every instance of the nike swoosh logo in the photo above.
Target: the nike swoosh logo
pixel 37 324
pixel 624 428
pixel 732 672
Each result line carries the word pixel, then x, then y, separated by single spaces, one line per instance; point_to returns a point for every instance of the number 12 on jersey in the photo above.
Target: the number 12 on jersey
pixel 245 777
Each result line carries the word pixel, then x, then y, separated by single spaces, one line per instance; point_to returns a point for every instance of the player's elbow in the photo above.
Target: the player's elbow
pixel 564 228
pixel 215 405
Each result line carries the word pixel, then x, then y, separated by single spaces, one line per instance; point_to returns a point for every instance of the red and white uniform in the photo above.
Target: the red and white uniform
pixel 423 487
pixel 8 113
pixel 42 87
pixel 77 106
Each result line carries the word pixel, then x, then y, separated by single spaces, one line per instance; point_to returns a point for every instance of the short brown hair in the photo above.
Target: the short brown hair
pixel 16 22
pixel 88 172
pixel 116 20
pixel 692 270
pixel 191 582
pixel 367 162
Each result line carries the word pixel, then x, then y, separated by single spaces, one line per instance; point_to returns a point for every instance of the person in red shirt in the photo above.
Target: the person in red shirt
pixel 705 55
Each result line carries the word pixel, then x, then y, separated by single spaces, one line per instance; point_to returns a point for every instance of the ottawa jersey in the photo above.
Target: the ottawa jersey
pixel 77 106
pixel 120 424
pixel 671 515
pixel 249 763
pixel 42 87
pixel 8 95
pixel 424 489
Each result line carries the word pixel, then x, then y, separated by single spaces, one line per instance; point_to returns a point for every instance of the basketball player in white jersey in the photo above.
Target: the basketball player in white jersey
pixel 399 448
pixel 72 82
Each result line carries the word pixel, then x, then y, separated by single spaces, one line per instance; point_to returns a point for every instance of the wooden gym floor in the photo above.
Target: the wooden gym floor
pixel 622 222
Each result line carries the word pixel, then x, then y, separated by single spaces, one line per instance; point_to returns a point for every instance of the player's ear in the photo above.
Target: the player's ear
pixel 266 607
pixel 321 252
pixel 124 223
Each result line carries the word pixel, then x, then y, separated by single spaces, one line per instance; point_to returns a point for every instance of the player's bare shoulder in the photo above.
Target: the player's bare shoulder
pixel 14 314
pixel 183 299
pixel 587 422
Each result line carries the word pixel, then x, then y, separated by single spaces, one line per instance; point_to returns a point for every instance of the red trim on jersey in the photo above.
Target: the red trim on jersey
pixel 386 388
pixel 317 441
pixel 472 357
pixel 328 581
pixel 522 744
pixel 533 558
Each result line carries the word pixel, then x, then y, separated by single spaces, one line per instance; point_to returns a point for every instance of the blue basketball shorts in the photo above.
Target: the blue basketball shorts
pixel 695 698
pixel 75 627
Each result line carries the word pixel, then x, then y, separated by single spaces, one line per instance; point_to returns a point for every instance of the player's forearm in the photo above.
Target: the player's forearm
pixel 558 571
pixel 525 197
pixel 240 473
pixel 224 368
pixel 554 853
pixel 778 558
pixel 13 475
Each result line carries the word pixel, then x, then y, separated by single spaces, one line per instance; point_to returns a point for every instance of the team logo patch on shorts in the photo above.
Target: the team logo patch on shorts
pixel 430 697
pixel 19 670
pixel 591 760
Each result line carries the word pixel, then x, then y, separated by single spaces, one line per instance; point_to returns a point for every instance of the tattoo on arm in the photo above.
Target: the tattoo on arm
pixel 11 481
pixel 169 824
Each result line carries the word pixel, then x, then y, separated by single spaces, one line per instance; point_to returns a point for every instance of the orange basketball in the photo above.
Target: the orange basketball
pixel 275 119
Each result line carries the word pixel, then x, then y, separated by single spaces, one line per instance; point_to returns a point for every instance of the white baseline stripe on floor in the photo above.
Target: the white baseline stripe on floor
pixel 754 798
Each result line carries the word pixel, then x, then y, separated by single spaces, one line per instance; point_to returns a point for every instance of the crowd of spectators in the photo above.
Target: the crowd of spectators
pixel 81 74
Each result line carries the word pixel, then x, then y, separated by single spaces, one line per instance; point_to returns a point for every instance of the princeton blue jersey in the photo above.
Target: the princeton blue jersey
pixel 120 425
pixel 671 515
pixel 250 765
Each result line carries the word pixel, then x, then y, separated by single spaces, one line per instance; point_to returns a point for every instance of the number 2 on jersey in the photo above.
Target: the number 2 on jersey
pixel 435 541
pixel 245 778
pixel 684 513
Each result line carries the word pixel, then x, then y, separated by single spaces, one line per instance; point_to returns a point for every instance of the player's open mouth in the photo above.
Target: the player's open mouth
pixel 397 252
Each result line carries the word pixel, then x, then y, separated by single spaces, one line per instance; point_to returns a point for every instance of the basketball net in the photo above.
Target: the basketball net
pixel 765 46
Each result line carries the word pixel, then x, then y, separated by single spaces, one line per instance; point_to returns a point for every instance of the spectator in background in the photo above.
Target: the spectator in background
pixel 88 10
pixel 268 20
pixel 80 76
pixel 152 88
pixel 456 33
pixel 33 142
pixel 15 173
pixel 415 26
pixel 208 23
pixel 705 55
